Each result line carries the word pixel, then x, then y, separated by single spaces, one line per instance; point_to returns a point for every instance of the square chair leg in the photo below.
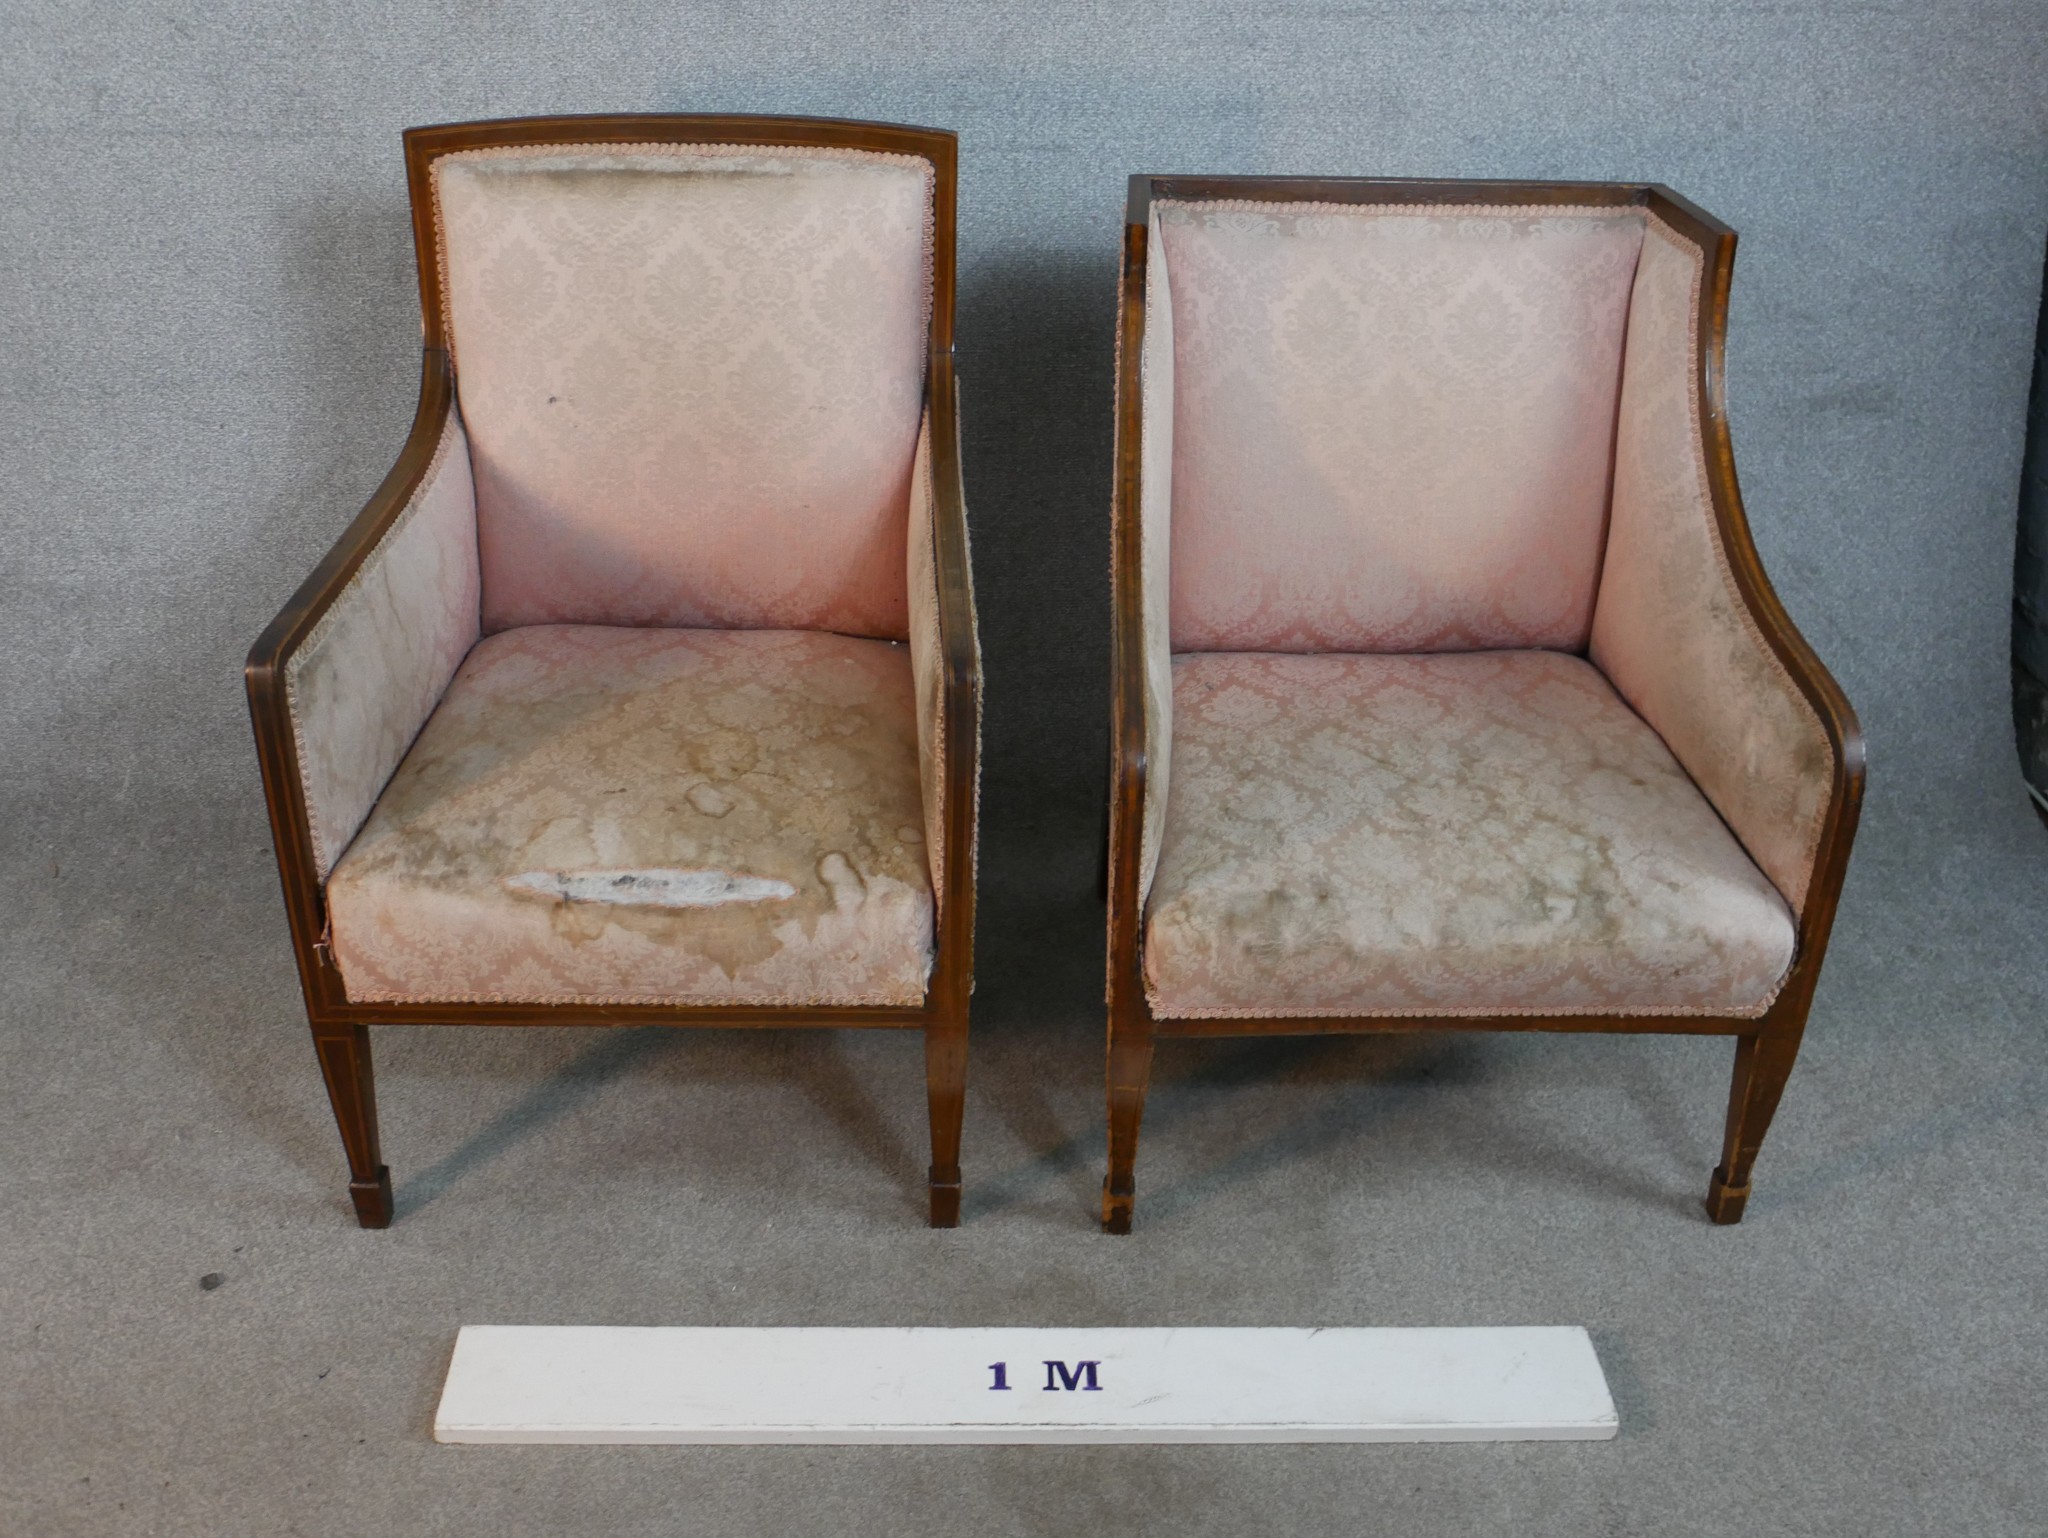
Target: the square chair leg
pixel 1130 1072
pixel 945 1077
pixel 1763 1062
pixel 344 1053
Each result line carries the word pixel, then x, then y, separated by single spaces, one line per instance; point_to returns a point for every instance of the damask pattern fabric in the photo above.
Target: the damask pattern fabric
pixel 1459 834
pixel 692 376
pixel 361 683
pixel 650 816
pixel 1393 424
pixel 1155 518
pixel 1672 632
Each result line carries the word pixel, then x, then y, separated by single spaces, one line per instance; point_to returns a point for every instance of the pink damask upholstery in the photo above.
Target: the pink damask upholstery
pixel 1392 424
pixel 646 685
pixel 1480 711
pixel 362 682
pixel 1671 630
pixel 692 376
pixel 650 816
pixel 1462 834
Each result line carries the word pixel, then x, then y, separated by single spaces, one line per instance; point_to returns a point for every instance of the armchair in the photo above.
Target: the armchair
pixel 1449 690
pixel 646 688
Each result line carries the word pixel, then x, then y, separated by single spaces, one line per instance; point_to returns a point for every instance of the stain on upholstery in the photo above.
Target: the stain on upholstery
pixel 651 888
pixel 1476 833
pixel 650 815
pixel 371 671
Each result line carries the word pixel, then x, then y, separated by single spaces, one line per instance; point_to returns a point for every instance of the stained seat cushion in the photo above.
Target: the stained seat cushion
pixel 629 815
pixel 1485 833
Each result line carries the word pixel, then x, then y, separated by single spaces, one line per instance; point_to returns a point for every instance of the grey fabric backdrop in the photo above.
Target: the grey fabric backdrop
pixel 207 359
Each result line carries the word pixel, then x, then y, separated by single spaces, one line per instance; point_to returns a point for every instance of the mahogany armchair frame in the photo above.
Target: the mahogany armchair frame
pixel 341 1035
pixel 1765 1046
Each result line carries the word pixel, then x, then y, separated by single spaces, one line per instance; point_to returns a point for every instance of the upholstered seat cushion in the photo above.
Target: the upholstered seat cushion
pixel 1482 833
pixel 690 816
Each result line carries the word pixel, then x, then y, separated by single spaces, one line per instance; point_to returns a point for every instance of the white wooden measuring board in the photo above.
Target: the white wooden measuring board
pixel 604 1384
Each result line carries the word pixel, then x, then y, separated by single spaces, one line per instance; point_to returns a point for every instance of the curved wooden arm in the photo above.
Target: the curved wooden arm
pixel 264 678
pixel 960 660
pixel 1128 763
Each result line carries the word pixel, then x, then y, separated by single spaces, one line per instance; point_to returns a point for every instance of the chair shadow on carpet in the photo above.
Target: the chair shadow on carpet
pixel 1370 1085
pixel 1344 1100
pixel 804 1061
pixel 616 1054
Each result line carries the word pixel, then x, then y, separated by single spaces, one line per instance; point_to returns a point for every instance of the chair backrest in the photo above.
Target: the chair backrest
pixel 692 375
pixel 1393 421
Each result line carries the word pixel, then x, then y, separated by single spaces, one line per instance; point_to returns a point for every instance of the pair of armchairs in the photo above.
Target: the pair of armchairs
pixel 1449 691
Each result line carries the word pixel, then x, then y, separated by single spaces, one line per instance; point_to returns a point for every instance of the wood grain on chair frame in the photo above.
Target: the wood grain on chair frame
pixel 341 1027
pixel 1766 1045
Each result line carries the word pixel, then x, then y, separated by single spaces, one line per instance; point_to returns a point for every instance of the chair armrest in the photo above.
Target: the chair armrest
pixel 945 652
pixel 1687 627
pixel 1140 561
pixel 342 680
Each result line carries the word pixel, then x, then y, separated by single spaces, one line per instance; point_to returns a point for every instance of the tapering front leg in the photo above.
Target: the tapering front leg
pixel 1130 1071
pixel 351 1087
pixel 1763 1062
pixel 945 1082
